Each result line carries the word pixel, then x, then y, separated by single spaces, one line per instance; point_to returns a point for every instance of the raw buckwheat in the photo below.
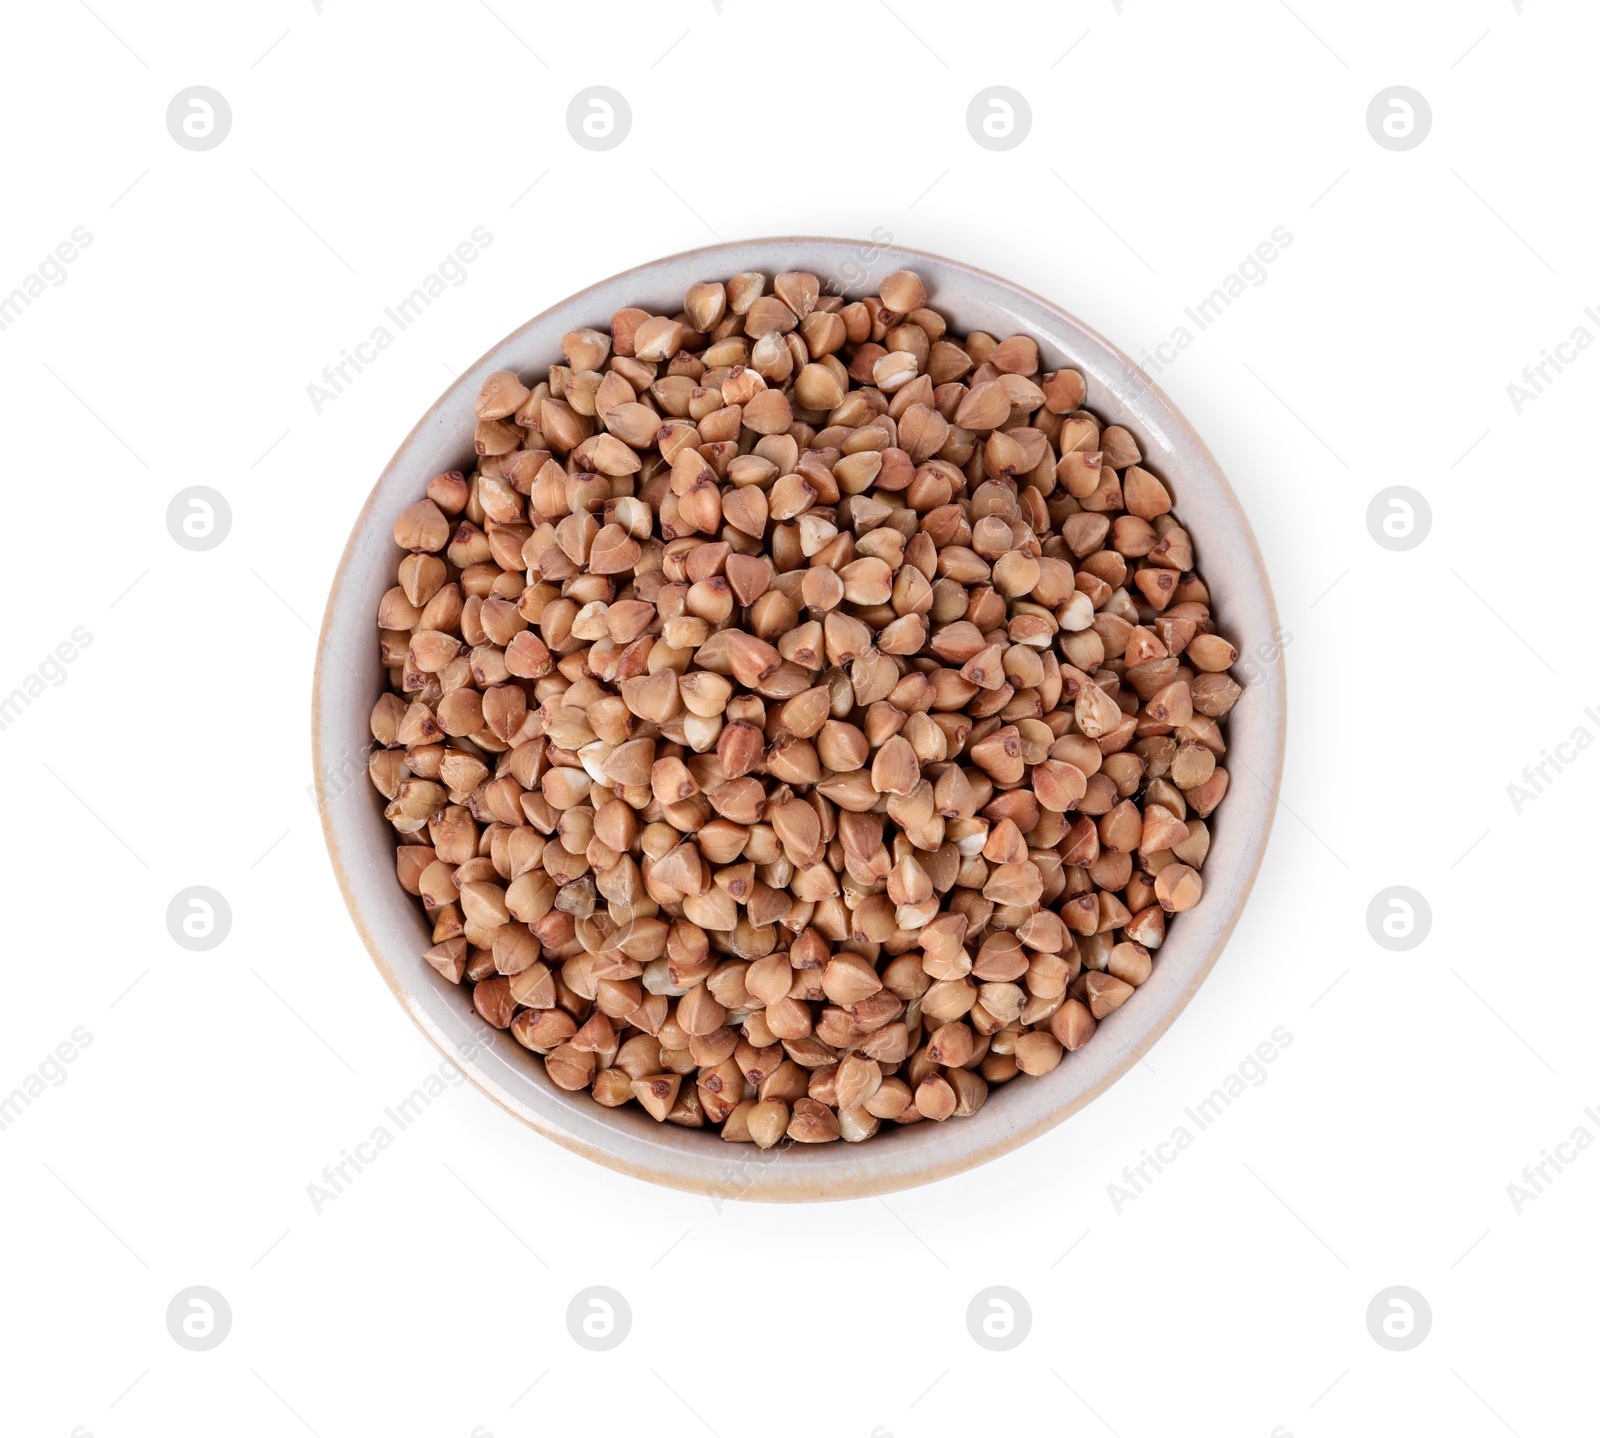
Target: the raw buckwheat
pixel 803 718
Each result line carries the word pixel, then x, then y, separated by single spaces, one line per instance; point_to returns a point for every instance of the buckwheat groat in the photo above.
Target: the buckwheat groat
pixel 804 718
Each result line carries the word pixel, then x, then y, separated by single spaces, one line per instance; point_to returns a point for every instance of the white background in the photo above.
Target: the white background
pixel 366 142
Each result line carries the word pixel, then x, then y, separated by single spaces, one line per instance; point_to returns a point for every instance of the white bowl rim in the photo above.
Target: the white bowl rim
pixel 626 1140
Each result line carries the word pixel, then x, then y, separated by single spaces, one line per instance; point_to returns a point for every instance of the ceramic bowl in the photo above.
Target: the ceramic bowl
pixel 390 922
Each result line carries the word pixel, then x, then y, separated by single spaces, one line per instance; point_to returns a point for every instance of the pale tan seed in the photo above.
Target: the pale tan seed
pixel 895 769
pixel 935 1098
pixel 1038 1052
pixel 569 1068
pixel 1178 887
pixel 1072 1025
pixel 985 406
pixel 1211 653
pixel 813 1122
pixel 903 292
pixel 657 1093
pixel 767 1121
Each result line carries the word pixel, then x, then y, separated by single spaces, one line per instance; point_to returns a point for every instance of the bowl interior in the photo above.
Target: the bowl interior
pixel 361 843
